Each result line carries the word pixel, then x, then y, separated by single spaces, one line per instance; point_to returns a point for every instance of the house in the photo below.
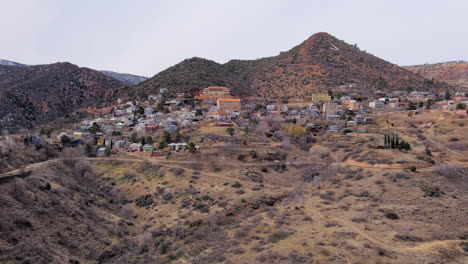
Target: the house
pixel 377 104
pixel 135 147
pixel 270 108
pixel 148 111
pixel 334 128
pixel 163 90
pixel 148 148
pixel 284 108
pixel 101 141
pixel 369 120
pixel 351 123
pixel 118 112
pixel 120 125
pixel 321 97
pixel 178 146
pixel 119 143
pixel 101 152
pixel 333 117
pixel 77 135
pixel 359 119
pixel 233 104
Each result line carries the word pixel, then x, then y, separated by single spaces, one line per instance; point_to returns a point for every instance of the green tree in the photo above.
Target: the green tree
pixel 95 128
pixel 447 95
pixel 89 150
pixel 411 106
pixel 134 137
pixel 191 147
pixel 461 106
pixel 166 137
pixel 65 140
pixel 162 144
pixel 149 140
pixel 230 131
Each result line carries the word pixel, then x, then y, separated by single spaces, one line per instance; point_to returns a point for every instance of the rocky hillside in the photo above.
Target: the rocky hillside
pixel 454 73
pixel 127 78
pixel 36 95
pixel 321 62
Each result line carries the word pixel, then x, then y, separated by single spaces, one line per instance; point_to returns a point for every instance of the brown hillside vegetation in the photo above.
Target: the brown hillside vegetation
pixel 35 95
pixel 251 198
pixel 319 63
pixel 453 73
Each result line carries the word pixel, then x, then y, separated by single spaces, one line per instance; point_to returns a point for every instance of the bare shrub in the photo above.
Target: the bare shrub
pixel 278 236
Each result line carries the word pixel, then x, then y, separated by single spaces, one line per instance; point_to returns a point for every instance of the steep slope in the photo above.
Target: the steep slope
pixel 127 78
pixel 319 63
pixel 454 73
pixel 38 94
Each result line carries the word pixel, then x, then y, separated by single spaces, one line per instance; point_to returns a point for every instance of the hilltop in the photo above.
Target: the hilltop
pixel 321 62
pixel 35 95
pixel 454 73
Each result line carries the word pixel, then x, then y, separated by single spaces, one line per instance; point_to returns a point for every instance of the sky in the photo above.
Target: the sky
pixel 145 37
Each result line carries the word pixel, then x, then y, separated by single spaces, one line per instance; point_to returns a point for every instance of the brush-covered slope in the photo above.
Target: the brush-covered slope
pixel 39 94
pixel 319 63
pixel 454 73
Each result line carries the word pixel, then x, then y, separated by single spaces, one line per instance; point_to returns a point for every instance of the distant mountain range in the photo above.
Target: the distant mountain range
pixel 454 73
pixel 10 63
pixel 127 78
pixel 35 95
pixel 320 63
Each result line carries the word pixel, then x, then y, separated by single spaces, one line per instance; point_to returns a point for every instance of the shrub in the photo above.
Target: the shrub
pixel 432 191
pixel 391 215
pixel 144 200
pixel 277 236
pixel 412 168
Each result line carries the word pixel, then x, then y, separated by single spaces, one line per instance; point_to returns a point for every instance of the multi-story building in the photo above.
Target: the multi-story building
pixel 330 108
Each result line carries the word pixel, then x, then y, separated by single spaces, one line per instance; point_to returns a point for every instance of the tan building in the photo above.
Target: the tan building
pixel 232 104
pixel 216 92
pixel 330 108
pixel 321 97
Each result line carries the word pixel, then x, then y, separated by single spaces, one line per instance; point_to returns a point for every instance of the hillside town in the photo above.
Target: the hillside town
pixel 145 126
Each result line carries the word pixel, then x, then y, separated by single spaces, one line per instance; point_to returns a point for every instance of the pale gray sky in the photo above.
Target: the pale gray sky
pixel 145 37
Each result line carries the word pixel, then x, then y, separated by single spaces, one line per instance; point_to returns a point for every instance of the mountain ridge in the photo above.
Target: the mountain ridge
pixel 36 95
pixel 319 63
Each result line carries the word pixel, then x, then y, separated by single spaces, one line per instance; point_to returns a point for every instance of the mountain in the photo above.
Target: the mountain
pixel 11 63
pixel 320 63
pixel 454 73
pixel 127 78
pixel 35 95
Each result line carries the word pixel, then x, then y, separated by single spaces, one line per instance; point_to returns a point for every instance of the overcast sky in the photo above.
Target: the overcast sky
pixel 145 37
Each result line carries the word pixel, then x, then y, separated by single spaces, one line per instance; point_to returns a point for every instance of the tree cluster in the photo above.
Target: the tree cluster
pixel 393 141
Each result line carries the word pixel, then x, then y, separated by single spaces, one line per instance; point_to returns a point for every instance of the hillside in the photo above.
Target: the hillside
pixel 36 95
pixel 453 73
pixel 127 78
pixel 321 62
